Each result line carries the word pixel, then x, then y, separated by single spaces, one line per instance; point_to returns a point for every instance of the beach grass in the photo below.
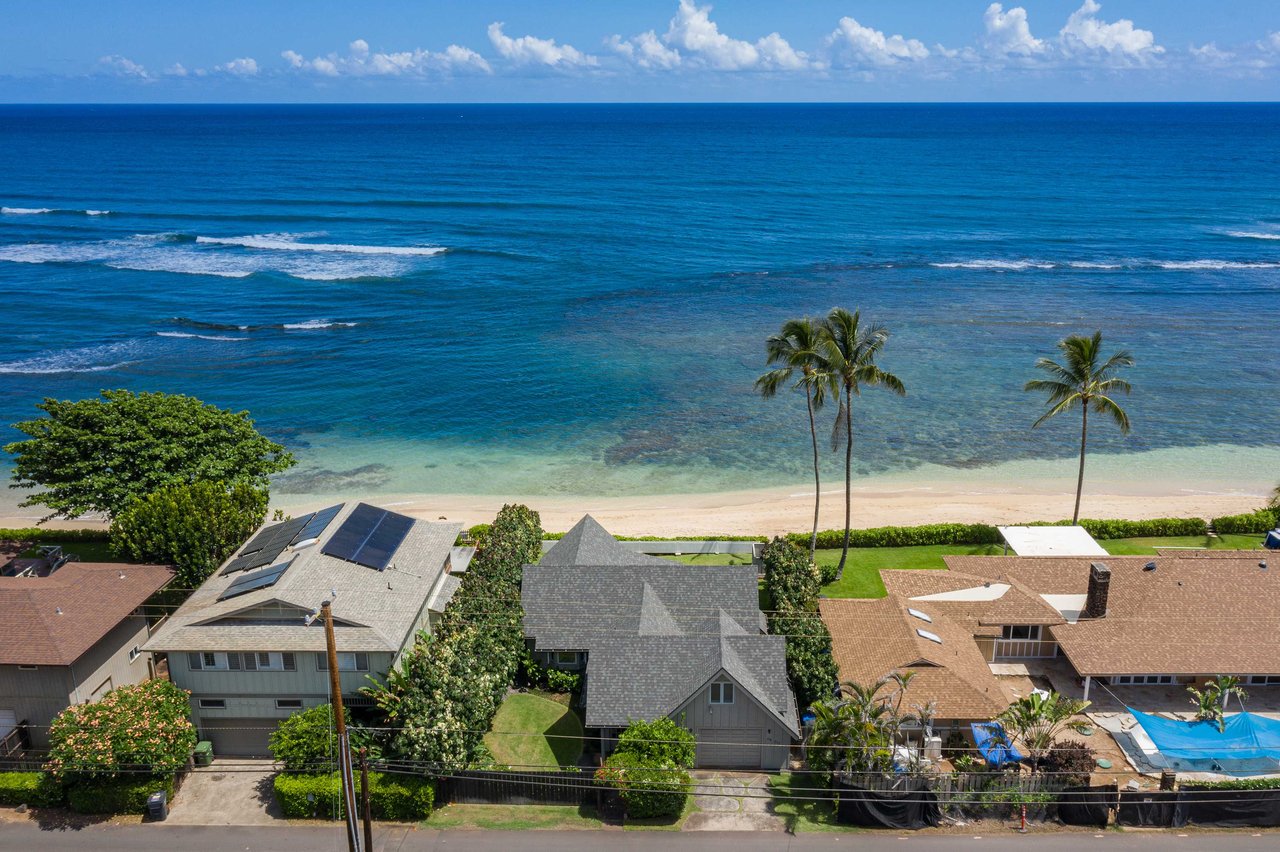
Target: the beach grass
pixel 531 730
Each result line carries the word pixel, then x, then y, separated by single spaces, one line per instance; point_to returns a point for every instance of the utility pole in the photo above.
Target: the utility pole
pixel 344 746
pixel 365 810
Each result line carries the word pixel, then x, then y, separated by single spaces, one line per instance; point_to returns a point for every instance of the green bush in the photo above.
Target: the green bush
pixel 124 795
pixel 648 792
pixel 560 681
pixel 1260 521
pixel 37 535
pixel 29 788
pixel 1235 784
pixel 305 741
pixel 810 667
pixel 662 741
pixel 403 798
pixel 790 579
pixel 1150 528
pixel 904 536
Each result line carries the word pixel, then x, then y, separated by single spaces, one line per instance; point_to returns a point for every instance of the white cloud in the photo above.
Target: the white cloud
pixel 1009 33
pixel 1273 41
pixel 692 31
pixel 646 51
pixel 177 69
pixel 243 67
pixel 1211 54
pixel 1084 33
pixel 123 67
pixel 361 61
pixel 854 44
pixel 528 50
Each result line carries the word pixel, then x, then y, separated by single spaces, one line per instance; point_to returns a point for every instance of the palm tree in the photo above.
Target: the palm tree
pixel 1082 380
pixel 797 348
pixel 1037 719
pixel 850 350
pixel 1211 702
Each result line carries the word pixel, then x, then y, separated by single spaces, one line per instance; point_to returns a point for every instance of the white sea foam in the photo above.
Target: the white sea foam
pixel 311 325
pixel 184 263
pixel 183 334
pixel 286 242
pixel 1254 235
pixel 97 212
pixel 25 211
pixel 1090 264
pixel 1012 265
pixel 1197 265
pixel 87 359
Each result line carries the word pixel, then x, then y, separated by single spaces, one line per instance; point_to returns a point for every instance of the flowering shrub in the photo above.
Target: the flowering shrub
pixel 133 729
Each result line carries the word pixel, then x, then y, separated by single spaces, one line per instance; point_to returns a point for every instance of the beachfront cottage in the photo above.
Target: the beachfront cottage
pixel 71 636
pixel 242 645
pixel 657 638
pixel 1114 629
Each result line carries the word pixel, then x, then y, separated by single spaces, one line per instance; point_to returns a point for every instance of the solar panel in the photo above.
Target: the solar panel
pixel 317 524
pixel 268 544
pixel 252 582
pixel 368 537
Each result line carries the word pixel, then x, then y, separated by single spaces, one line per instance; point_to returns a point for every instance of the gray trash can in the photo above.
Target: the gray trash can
pixel 158 806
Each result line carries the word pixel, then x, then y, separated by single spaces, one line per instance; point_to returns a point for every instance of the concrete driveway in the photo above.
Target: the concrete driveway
pixel 232 791
pixel 732 801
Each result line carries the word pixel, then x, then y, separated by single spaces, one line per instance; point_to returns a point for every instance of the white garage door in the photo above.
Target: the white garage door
pixel 239 737
pixel 729 748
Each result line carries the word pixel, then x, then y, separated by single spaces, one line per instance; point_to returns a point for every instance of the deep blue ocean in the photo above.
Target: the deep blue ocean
pixel 574 299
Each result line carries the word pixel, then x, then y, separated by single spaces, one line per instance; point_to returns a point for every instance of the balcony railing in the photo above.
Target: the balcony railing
pixel 1024 648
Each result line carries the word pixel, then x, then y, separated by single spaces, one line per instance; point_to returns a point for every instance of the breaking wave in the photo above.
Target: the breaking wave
pixel 288 242
pixel 183 334
pixel 86 359
pixel 35 211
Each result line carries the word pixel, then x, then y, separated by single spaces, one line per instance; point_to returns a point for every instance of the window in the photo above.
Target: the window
pixel 1021 631
pixel 134 653
pixel 566 658
pixel 249 661
pixel 932 637
pixel 1141 680
pixel 920 615
pixel 721 693
pixel 213 704
pixel 28 668
pixel 288 703
pixel 348 661
pixel 207 661
pixel 1264 680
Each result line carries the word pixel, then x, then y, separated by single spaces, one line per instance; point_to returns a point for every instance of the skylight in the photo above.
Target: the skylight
pixel 920 615
pixel 932 637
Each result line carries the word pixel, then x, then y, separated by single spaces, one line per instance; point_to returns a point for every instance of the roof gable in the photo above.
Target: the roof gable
pixel 589 545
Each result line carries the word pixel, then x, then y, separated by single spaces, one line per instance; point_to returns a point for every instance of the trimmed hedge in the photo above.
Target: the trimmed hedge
pixel 931 534
pixel 1235 784
pixel 119 796
pixel 39 534
pixel 29 788
pixel 405 798
pixel 1261 521
pixel 1152 527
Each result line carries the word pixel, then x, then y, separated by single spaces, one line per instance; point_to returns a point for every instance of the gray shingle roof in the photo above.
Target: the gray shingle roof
pixel 655 631
pixel 374 610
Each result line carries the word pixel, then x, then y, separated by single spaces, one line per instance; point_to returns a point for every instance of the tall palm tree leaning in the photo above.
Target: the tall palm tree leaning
pixel 1085 380
pixel 850 349
pixel 796 349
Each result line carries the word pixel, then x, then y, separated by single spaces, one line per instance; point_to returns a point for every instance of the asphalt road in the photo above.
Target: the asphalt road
pixel 146 838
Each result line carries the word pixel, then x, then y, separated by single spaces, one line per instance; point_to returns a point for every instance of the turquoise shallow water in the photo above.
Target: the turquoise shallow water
pixel 572 299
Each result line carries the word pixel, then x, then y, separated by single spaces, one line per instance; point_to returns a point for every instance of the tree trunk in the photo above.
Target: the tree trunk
pixel 1084 436
pixel 817 480
pixel 848 478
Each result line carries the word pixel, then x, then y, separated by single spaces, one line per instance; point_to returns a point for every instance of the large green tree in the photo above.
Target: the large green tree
pixel 193 527
pixel 797 349
pixel 1037 719
pixel 850 348
pixel 100 454
pixel 792 583
pixel 1083 379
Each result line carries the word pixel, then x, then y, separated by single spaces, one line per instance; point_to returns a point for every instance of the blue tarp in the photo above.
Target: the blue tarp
pixel 993 744
pixel 1246 736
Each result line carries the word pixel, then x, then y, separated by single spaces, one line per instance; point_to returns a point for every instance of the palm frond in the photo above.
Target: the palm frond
pixel 1106 405
pixel 1064 405
pixel 769 383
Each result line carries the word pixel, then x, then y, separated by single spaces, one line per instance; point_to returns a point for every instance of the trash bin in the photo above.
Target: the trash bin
pixel 204 753
pixel 158 805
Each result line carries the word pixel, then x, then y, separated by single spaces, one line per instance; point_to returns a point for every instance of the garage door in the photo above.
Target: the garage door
pixel 239 737
pixel 729 748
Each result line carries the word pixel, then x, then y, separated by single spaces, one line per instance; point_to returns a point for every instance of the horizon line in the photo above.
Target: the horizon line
pixel 1246 102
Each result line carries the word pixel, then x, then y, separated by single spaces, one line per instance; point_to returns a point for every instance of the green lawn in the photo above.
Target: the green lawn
pixel 1143 546
pixel 531 730
pixel 803 813
pixel 514 817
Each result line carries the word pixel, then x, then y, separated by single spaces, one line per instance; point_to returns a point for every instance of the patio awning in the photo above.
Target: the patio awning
pixel 1051 541
pixel 993 744
pixel 1245 736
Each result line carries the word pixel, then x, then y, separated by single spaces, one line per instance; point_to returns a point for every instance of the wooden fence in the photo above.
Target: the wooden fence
pixel 567 787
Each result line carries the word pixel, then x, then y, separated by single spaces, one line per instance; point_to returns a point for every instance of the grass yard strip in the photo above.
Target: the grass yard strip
pixel 663 823
pixel 1145 546
pixel 862 569
pixel 803 813
pixel 514 817
pixel 538 732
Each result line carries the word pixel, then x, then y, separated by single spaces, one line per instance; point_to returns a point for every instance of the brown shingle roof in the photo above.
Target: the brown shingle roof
pixel 92 599
pixel 871 638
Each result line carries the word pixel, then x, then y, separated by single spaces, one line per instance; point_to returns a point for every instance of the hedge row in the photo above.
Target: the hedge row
pixel 1235 784
pixel 39 534
pixel 404 798
pixel 29 788
pixel 1260 521
pixel 119 796
pixel 931 534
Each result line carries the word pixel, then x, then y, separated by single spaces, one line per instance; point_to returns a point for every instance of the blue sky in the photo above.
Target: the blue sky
pixel 637 50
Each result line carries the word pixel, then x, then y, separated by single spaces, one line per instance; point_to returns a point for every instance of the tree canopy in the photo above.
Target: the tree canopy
pixel 100 454
pixel 193 527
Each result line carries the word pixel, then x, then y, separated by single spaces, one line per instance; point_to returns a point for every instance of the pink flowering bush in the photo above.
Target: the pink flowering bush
pixel 133 730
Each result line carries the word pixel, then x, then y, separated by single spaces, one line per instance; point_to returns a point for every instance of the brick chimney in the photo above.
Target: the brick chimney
pixel 1095 603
